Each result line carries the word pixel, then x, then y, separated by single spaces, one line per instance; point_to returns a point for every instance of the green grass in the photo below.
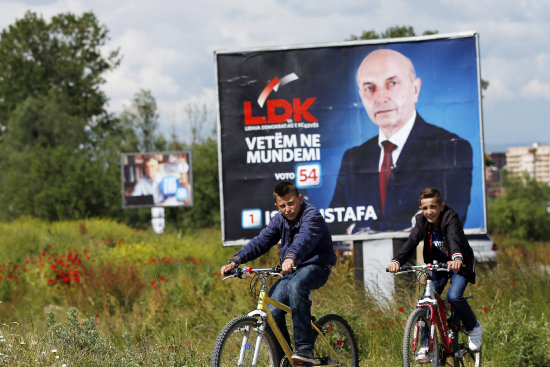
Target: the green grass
pixel 98 293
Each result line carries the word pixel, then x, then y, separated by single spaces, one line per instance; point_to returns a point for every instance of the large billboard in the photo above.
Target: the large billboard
pixel 360 127
pixel 157 179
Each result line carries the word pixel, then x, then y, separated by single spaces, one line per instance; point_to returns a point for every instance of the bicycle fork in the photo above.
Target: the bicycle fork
pixel 425 330
pixel 264 318
pixel 244 346
pixel 261 330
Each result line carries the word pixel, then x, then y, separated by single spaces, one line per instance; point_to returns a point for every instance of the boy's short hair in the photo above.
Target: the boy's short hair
pixel 284 188
pixel 429 193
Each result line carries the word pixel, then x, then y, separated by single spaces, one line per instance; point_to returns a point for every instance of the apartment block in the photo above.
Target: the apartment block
pixel 535 160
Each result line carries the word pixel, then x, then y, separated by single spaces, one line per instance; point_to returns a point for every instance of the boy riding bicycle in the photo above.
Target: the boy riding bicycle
pixel 305 243
pixel 444 241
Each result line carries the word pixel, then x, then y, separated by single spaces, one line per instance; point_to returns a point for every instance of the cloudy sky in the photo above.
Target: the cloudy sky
pixel 168 46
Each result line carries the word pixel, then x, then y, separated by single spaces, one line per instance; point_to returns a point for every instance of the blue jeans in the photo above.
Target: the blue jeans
pixel 455 296
pixel 293 290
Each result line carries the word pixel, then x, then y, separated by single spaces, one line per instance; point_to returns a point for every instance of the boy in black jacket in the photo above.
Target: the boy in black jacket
pixel 444 240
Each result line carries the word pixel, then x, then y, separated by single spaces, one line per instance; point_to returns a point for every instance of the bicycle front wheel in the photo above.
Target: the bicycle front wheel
pixel 341 338
pixel 240 340
pixel 463 356
pixel 416 338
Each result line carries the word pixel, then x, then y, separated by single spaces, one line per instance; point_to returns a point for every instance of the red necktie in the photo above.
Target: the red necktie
pixel 385 170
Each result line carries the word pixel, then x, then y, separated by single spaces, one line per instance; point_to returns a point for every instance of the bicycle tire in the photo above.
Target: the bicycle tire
pixel 470 359
pixel 342 339
pixel 229 342
pixel 412 331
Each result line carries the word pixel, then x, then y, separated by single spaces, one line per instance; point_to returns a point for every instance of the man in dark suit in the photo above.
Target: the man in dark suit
pixel 408 154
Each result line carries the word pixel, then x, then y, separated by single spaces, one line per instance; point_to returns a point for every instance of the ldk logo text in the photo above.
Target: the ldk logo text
pixel 279 110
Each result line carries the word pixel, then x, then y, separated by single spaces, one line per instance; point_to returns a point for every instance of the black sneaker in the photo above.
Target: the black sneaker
pixel 304 356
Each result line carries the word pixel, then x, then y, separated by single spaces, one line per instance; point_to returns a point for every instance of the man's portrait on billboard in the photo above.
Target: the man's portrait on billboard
pixel 407 155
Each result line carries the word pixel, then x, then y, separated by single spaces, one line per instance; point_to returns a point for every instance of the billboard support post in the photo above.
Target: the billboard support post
pixel 157 219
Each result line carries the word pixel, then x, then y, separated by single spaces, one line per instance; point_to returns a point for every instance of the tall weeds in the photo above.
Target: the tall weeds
pixel 151 300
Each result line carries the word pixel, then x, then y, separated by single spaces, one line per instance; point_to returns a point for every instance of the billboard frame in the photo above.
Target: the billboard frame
pixel 362 236
pixel 189 162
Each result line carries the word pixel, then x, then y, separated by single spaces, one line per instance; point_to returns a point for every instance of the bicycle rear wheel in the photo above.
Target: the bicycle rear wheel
pixel 238 341
pixel 418 321
pixel 341 338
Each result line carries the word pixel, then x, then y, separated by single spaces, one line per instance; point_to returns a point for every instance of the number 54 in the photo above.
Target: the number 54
pixel 308 175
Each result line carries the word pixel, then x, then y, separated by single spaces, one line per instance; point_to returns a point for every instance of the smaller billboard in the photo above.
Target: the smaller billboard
pixel 157 179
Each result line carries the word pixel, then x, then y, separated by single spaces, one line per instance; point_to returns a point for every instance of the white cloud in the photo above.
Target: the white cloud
pixel 498 91
pixel 536 89
pixel 177 120
pixel 120 88
pixel 153 78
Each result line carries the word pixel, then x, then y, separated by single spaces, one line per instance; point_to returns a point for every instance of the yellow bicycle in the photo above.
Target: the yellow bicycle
pixel 247 341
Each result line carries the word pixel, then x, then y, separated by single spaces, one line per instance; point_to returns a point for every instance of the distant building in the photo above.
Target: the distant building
pixel 535 160
pixel 493 173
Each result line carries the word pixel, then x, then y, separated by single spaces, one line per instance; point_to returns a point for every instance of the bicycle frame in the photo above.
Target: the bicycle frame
pixel 263 312
pixel 436 306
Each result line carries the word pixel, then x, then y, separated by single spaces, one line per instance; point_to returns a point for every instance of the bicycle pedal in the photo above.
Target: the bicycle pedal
pixel 424 361
pixel 302 363
pixel 461 352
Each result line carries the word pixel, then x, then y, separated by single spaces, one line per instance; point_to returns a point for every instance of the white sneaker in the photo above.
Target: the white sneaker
pixel 422 356
pixel 475 337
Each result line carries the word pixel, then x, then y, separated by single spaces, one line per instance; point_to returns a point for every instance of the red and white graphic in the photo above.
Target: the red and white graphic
pixel 274 86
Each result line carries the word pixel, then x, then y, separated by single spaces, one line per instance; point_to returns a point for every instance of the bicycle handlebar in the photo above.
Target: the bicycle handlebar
pixel 412 268
pixel 239 272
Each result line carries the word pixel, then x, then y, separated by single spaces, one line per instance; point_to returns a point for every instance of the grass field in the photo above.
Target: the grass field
pixel 98 293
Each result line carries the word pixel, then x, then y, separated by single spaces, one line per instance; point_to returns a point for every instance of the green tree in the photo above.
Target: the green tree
pixel 53 175
pixel 521 212
pixel 141 121
pixel 200 117
pixel 44 121
pixel 57 158
pixel 64 54
pixel 391 32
